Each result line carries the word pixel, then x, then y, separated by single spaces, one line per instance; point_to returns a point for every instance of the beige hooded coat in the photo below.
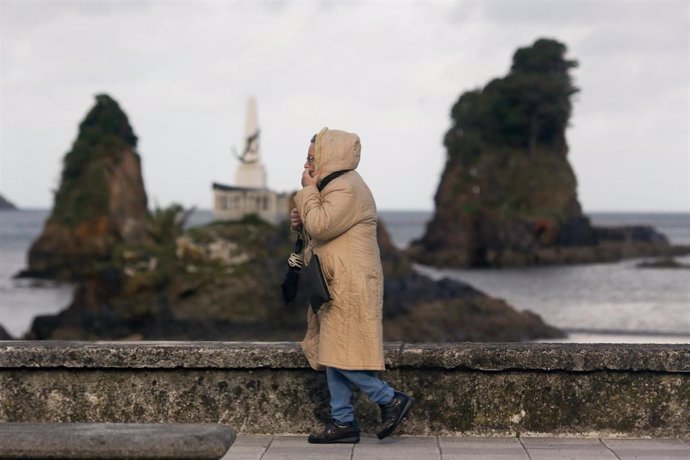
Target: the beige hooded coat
pixel 340 226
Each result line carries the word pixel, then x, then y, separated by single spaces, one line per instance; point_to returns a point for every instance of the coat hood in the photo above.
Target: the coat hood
pixel 335 150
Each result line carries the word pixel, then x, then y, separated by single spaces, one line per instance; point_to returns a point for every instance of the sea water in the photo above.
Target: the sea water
pixel 607 302
pixel 23 299
pixel 598 302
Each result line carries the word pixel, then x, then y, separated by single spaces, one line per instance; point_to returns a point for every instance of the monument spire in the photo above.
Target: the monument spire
pixel 251 149
pixel 249 194
pixel 250 172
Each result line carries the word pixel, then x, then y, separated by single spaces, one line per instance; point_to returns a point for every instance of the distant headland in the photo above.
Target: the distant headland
pixel 5 204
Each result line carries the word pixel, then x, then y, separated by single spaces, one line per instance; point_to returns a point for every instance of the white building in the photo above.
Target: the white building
pixel 250 194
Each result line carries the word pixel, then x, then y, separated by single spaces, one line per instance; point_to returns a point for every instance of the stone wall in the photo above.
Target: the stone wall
pixel 267 387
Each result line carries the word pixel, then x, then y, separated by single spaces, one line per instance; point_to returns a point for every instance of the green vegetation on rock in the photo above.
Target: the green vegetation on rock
pixel 104 136
pixel 101 201
pixel 508 195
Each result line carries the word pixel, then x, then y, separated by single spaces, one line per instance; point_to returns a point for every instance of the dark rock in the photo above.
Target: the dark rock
pixel 100 203
pixel 394 261
pixel 6 205
pixel 576 232
pixel 664 262
pixel 4 335
pixel 240 299
pixel 632 234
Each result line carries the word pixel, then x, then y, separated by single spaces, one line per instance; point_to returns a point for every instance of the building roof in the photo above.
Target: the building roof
pixel 231 188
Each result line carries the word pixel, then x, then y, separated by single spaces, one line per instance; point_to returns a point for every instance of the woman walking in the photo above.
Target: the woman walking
pixel 336 214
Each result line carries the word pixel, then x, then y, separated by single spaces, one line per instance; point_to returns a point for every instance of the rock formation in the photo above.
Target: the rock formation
pixel 141 275
pixel 222 282
pixel 4 335
pixel 662 262
pixel 508 195
pixel 101 201
pixel 6 205
pixel 419 309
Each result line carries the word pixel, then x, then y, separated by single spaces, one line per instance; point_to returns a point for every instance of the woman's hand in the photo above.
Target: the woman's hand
pixel 308 178
pixel 295 220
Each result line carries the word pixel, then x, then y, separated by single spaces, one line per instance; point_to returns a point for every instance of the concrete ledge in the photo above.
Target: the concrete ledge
pixel 547 357
pixel 287 355
pixel 113 441
pixel 493 389
pixel 151 355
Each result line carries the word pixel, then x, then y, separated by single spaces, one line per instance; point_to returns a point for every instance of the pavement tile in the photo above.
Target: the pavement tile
pixel 252 447
pixel 297 448
pixel 566 448
pixel 657 449
pixel 571 454
pixel 548 443
pixel 248 447
pixel 398 448
pixel 482 448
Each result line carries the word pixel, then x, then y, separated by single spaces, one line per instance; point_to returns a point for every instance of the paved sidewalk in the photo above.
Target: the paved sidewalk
pixel 446 448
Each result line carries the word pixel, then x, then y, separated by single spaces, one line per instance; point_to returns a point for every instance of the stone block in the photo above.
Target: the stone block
pixel 114 441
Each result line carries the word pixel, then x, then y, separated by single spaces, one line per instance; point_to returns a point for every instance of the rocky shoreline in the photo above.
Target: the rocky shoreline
pixel 235 295
pixel 614 244
pixel 666 261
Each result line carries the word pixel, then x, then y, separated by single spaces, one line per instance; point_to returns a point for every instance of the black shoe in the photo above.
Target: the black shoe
pixel 336 432
pixel 393 413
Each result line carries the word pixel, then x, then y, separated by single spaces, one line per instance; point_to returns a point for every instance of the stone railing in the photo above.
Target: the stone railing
pixel 259 387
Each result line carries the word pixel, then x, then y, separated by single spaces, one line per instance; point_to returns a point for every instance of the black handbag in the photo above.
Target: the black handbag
pixel 315 284
pixel 308 280
pixel 291 283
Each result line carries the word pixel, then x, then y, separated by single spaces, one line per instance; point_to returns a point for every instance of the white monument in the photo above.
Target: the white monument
pixel 251 172
pixel 250 193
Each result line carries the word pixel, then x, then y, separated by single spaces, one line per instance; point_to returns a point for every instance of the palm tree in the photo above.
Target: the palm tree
pixel 166 224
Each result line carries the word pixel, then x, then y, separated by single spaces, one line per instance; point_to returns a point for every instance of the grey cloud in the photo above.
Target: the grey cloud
pixel 537 13
pixel 182 71
pixel 30 14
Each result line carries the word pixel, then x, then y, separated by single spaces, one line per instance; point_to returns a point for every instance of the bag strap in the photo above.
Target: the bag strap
pixel 326 180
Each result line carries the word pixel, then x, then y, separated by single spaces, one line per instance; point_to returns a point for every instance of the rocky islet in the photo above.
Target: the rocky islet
pixel 508 195
pixel 141 275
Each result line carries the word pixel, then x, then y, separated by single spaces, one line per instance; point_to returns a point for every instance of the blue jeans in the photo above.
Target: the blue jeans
pixel 341 395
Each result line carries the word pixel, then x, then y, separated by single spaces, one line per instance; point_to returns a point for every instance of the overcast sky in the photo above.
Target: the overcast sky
pixel 388 70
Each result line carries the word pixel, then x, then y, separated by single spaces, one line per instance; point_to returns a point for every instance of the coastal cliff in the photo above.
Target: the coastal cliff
pixel 101 201
pixel 508 195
